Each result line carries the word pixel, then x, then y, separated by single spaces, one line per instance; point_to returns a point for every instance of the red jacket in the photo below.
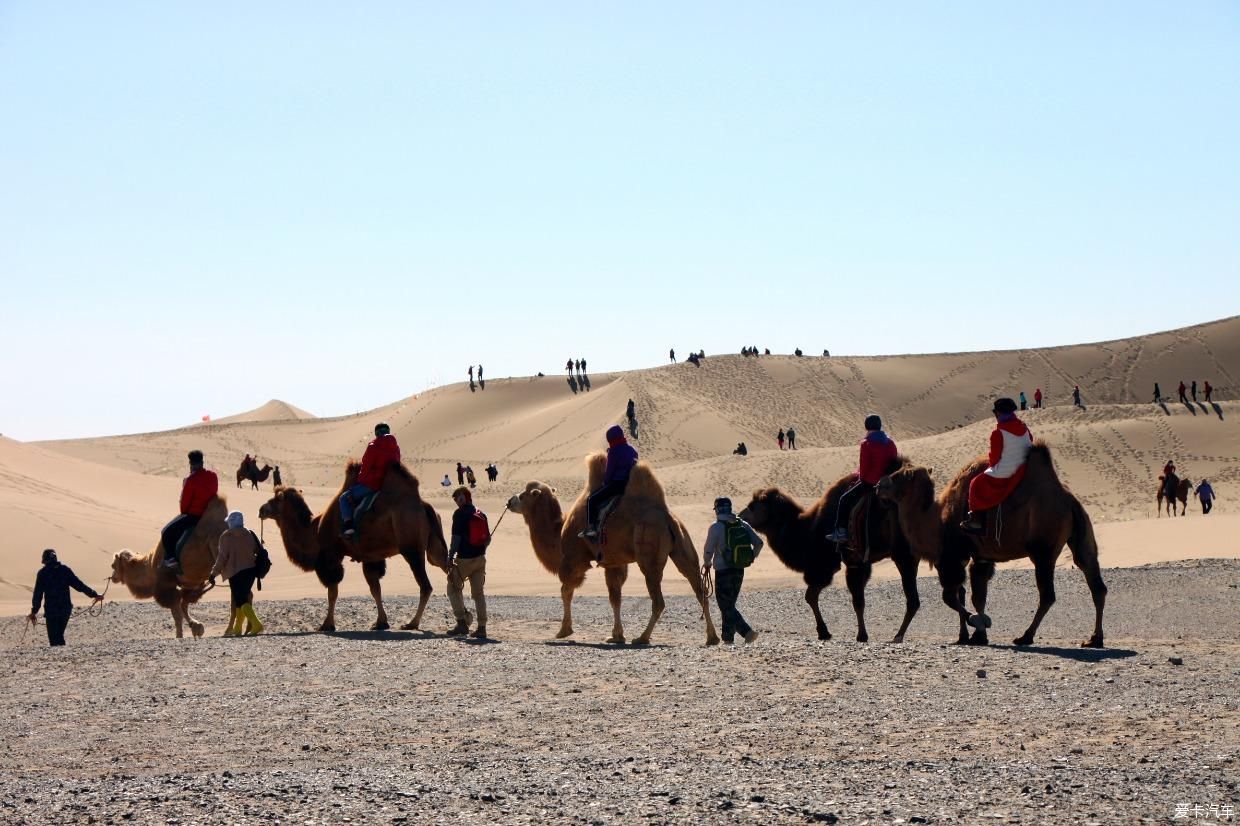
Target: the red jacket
pixel 381 453
pixel 197 491
pixel 878 451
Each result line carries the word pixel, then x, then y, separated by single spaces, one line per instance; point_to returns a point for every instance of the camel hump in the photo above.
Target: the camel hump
pixel 217 508
pixel 596 466
pixel 643 484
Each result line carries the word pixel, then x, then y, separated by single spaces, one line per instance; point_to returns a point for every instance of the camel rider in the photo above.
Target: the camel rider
pixel 197 491
pixel 1010 443
pixel 1169 479
pixel 381 453
pixel 878 451
pixel 621 457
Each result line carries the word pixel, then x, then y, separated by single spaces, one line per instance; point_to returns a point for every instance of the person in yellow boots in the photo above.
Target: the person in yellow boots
pixel 236 563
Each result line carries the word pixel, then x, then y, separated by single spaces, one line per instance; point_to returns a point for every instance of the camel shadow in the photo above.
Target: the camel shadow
pixel 1218 411
pixel 1085 655
pixel 486 641
pixel 604 646
pixel 384 636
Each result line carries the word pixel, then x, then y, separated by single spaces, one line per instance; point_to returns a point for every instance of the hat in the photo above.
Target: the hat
pixel 1004 405
pixel 195 457
pixel 614 434
pixel 723 505
pixel 49 556
pixel 235 519
pixel 382 429
pixel 873 422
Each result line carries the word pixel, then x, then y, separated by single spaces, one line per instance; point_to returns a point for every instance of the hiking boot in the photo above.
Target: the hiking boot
pixel 751 636
pixel 348 532
pixel 973 525
pixel 459 630
pixel 480 633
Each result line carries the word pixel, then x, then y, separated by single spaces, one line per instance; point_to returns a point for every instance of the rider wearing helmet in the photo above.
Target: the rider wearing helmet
pixel 381 453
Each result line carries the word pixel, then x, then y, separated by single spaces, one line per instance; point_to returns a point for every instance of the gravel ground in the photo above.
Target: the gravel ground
pixel 128 725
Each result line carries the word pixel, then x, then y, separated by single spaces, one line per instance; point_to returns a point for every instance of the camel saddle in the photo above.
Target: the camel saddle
pixel 361 509
pixel 859 523
pixel 604 512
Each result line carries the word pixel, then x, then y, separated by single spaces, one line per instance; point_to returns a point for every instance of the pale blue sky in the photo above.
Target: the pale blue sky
pixel 203 206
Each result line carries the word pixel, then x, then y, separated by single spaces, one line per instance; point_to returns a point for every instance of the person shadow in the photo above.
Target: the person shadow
pixel 1164 407
pixel 1190 407
pixel 1218 411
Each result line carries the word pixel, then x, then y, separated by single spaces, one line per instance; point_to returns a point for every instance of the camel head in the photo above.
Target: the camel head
pixel 537 498
pixel 120 562
pixel 762 508
pixel 909 481
pixel 287 502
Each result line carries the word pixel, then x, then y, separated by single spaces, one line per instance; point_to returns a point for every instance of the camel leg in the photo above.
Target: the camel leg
pixel 654 585
pixel 812 592
pixel 906 563
pixel 951 577
pixel 1044 571
pixel 1097 589
pixel 329 622
pixel 176 619
pixel 615 578
pixel 417 564
pixel 374 571
pixel 196 628
pixel 980 573
pixel 571 579
pixel 857 576
pixel 687 563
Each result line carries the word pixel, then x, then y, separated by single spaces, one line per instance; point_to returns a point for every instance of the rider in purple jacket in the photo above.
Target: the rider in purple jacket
pixel 621 457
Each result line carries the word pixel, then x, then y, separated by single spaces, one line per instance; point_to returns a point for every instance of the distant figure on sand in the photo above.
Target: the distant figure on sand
pixel 671 354
pixel 1076 395
pixel 471 374
pixel 1183 393
pixel 569 366
pixel 1209 393
pixel 198 489
pixel 878 451
pixel 797 352
pixel 731 547
pixel 1037 399
pixel 1205 493
pixel 1194 390
pixel 447 482
pixel 381 454
pixel 1157 394
pixel 469 477
pixel 276 479
pixel 460 473
pixel 1010 443
pixel 1023 404
pixel 583 367
pixel 792 439
pixel 51 589
pixel 492 472
pixel 467 561
pixel 741 450
pixel 780 438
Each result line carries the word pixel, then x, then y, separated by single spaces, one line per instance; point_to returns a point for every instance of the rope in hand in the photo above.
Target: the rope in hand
pixel 95 609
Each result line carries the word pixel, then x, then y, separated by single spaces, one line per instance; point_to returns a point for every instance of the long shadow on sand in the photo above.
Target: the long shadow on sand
pixel 603 646
pixel 1085 655
pixel 1217 410
pixel 383 636
pixel 1164 407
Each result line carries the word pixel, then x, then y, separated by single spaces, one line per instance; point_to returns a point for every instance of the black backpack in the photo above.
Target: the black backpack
pixel 262 561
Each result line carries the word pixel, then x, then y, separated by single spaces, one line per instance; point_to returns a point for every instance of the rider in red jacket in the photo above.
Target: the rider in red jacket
pixel 197 491
pixel 878 452
pixel 381 454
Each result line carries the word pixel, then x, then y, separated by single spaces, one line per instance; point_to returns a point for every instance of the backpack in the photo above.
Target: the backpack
pixel 479 530
pixel 737 546
pixel 262 561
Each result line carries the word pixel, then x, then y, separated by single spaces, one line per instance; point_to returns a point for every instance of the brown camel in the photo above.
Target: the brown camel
pixel 398 523
pixel 1182 488
pixel 146 577
pixel 640 529
pixel 1036 521
pixel 250 471
pixel 798 538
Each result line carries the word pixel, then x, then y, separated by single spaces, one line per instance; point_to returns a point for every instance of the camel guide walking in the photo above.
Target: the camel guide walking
pixel 1010 443
pixel 731 547
pixel 381 453
pixel 197 491
pixel 467 557
pixel 1206 494
pixel 51 589
pixel 236 563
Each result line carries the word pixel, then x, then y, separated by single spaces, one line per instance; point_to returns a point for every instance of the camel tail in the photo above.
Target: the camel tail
pixel 437 546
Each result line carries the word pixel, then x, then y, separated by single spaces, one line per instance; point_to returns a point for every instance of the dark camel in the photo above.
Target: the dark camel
pixel 399 523
pixel 1182 488
pixel 1035 522
pixel 249 470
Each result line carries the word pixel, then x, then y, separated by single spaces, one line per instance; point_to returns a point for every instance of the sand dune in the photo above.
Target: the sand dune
pixel 90 497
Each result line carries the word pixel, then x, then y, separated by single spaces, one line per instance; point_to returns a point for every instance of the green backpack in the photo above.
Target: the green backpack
pixel 737 546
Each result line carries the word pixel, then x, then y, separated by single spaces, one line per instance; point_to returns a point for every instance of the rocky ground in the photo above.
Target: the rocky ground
pixel 129 725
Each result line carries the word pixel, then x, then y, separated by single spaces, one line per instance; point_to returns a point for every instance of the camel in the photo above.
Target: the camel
pixel 145 576
pixel 1182 488
pixel 640 529
pixel 250 471
pixel 399 523
pixel 1036 521
pixel 798 538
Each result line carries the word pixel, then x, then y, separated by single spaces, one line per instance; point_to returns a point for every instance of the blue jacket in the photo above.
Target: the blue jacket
pixel 52 584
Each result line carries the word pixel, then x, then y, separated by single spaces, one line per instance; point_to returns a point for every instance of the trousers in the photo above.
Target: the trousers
pixel 727 590
pixel 474 570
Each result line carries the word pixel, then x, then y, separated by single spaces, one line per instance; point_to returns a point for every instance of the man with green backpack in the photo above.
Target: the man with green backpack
pixel 731 546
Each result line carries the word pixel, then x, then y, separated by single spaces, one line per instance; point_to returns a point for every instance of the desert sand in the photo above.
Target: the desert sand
pixel 128 725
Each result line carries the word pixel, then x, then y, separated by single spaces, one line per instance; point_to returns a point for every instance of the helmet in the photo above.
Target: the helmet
pixel 1004 405
pixel 723 505
pixel 873 422
pixel 382 429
